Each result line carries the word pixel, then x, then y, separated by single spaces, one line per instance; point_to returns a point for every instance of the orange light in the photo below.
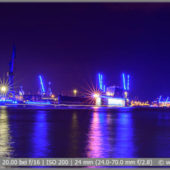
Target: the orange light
pixel 52 95
pixel 109 93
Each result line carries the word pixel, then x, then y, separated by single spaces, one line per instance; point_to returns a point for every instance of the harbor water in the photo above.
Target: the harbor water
pixel 84 133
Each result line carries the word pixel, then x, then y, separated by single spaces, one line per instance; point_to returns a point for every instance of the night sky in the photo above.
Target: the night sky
pixel 69 43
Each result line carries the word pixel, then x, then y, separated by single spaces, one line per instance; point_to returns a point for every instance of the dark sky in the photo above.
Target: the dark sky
pixel 68 43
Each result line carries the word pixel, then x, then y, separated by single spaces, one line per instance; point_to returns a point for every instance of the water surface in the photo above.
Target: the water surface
pixel 92 133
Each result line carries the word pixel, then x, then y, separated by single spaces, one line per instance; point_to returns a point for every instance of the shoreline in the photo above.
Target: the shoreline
pixel 80 107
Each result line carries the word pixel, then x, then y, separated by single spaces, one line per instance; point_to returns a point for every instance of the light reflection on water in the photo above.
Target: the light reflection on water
pixel 97 136
pixel 74 136
pixel 5 138
pixel 40 135
pixel 124 146
pixel 110 136
pixel 84 133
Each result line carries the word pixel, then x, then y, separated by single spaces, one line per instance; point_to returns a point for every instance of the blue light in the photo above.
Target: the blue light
pixel 100 80
pixel 160 99
pixel 42 84
pixel 39 140
pixel 124 84
pixel 12 59
pixel 167 99
pixel 101 85
pixel 124 141
pixel 37 103
pixel 15 102
pixel 128 77
pixel 104 88
pixel 7 101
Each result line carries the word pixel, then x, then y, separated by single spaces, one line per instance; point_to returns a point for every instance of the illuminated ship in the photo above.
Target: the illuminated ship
pixel 113 95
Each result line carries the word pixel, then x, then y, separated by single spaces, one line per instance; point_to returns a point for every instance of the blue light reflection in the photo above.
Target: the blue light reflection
pixel 124 146
pixel 40 135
